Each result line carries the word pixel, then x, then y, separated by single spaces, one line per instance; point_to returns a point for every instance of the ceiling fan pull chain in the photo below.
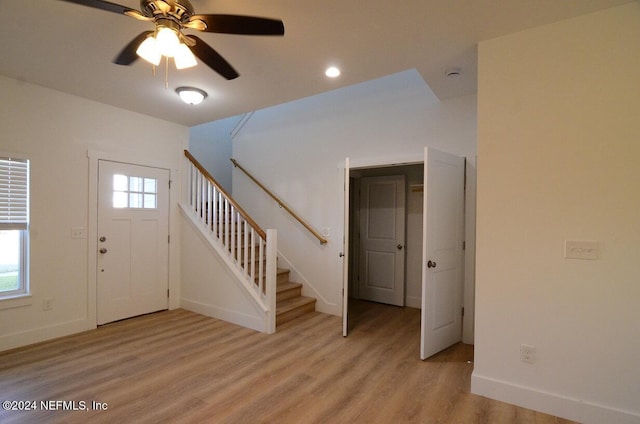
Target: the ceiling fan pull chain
pixel 166 73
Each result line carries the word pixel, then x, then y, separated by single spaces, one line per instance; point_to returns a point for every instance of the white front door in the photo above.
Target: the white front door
pixel 133 244
pixel 382 237
pixel 443 235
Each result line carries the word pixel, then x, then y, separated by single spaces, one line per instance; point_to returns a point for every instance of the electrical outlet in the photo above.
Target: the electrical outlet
pixel 527 354
pixel 47 304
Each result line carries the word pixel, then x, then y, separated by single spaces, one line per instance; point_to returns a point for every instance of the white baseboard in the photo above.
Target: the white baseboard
pixel 41 334
pixel 551 403
pixel 234 317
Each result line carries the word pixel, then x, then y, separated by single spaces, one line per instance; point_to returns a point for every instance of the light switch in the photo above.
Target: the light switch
pixel 581 249
pixel 78 233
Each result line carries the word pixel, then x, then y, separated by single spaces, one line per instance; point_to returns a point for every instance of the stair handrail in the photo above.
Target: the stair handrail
pixel 281 203
pixel 235 204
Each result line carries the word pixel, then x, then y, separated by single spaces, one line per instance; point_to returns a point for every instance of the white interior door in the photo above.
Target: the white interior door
pixel 345 253
pixel 382 238
pixel 443 235
pixel 133 251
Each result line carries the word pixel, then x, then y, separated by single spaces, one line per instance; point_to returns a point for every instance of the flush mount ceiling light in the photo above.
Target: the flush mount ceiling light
pixel 332 72
pixel 191 95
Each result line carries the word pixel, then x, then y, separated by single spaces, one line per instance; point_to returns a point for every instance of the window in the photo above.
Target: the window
pixel 134 192
pixel 14 226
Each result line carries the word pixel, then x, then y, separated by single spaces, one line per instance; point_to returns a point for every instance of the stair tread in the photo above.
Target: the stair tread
pixel 290 304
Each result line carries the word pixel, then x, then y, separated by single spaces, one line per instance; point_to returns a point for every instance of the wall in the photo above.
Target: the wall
pixel 56 131
pixel 210 143
pixel 226 299
pixel 558 153
pixel 298 150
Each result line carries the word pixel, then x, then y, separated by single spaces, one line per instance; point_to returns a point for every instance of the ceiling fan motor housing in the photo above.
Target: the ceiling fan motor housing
pixel 180 10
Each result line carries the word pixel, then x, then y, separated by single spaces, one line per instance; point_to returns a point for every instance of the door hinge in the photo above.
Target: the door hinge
pixel 464 245
pixel 167 293
pixel 463 311
pixel 168 239
pixel 169 184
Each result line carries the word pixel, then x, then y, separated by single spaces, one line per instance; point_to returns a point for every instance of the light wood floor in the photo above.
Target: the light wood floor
pixel 182 367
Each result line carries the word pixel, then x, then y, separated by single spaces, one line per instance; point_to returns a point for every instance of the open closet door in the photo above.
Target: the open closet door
pixel 442 260
pixel 345 253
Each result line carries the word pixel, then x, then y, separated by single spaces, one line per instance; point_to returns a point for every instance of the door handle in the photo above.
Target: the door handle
pixel 399 247
pixel 103 250
pixel 431 264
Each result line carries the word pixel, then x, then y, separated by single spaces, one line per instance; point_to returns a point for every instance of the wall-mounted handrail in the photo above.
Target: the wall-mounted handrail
pixel 242 212
pixel 281 203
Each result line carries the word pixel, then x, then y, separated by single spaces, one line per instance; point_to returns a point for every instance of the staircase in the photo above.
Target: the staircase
pixel 249 251
pixel 290 303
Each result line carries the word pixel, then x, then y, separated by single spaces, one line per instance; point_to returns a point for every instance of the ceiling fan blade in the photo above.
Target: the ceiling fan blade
pixel 212 58
pixel 235 24
pixel 104 5
pixel 128 54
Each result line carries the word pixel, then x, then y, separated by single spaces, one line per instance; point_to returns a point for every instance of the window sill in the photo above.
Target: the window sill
pixel 16 301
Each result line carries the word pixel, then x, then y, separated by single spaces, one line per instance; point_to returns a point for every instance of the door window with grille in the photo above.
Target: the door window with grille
pixel 134 192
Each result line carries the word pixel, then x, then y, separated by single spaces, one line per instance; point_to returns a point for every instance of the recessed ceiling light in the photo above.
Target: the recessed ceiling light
pixel 332 72
pixel 191 95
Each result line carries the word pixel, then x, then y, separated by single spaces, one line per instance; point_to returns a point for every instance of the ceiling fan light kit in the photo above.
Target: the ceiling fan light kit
pixel 184 58
pixel 149 51
pixel 170 18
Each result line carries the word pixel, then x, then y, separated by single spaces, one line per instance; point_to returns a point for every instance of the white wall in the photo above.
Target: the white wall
pixel 298 149
pixel 56 131
pixel 210 144
pixel 208 285
pixel 558 149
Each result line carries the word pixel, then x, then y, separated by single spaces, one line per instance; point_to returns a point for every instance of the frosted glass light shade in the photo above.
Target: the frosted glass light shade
pixel 191 95
pixel 149 51
pixel 184 57
pixel 167 42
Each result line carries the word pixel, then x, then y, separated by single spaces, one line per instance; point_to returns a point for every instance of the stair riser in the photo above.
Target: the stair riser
pixel 289 294
pixel 281 277
pixel 295 313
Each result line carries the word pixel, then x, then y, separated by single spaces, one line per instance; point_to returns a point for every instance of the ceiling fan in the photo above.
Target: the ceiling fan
pixel 171 17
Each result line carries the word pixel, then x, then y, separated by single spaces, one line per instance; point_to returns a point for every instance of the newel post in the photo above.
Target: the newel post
pixel 271 274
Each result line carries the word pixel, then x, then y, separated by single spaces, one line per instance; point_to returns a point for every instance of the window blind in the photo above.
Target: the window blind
pixel 14 193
